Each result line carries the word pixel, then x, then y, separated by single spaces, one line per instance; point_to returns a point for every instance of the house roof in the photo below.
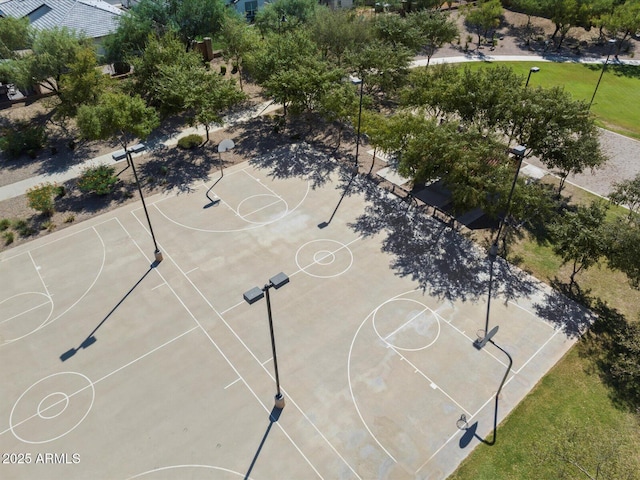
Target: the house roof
pixel 94 18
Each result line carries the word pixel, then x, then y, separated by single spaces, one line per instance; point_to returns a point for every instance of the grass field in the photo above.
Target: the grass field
pixel 571 407
pixel 617 102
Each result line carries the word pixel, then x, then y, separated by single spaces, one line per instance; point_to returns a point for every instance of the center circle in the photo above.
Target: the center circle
pixel 406 324
pixel 53 404
pixel 324 257
pixel 52 407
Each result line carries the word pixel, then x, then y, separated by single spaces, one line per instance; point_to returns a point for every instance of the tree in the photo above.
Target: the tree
pixel 624 249
pixel 484 17
pixel 53 50
pixel 336 31
pixel 239 40
pixel 623 22
pixel 117 115
pixel 15 34
pixel 285 15
pixel 531 8
pixel 82 84
pixel 196 18
pixel 209 96
pixel 579 237
pixel 383 68
pixel 565 14
pixel 162 73
pixel 434 29
pixel 559 130
pixel 627 193
pixel 397 31
pixel 338 104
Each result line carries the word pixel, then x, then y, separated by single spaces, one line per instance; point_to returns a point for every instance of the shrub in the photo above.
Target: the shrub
pixel 70 218
pixel 22 137
pixel 23 228
pixel 8 237
pixel 49 226
pixel 190 141
pixel 99 180
pixel 40 198
pixel 4 224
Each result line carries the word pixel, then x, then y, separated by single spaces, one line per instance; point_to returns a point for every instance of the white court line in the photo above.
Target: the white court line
pixel 24 312
pixel 417 370
pixel 289 397
pixel 191 271
pixel 158 286
pixel 266 409
pixel 100 379
pixel 548 324
pixel 470 339
pixel 266 361
pixel 538 351
pixel 280 200
pixel 86 292
pixel 56 240
pixel 333 252
pixel 37 269
pixel 408 322
pixel 233 383
pixel 458 430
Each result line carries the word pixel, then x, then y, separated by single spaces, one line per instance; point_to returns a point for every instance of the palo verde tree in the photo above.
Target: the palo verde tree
pixel 627 193
pixel 117 116
pixel 52 52
pixel 15 34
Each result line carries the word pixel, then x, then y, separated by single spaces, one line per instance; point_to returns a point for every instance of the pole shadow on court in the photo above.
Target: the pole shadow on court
pixel 344 194
pixel 273 418
pixel 91 339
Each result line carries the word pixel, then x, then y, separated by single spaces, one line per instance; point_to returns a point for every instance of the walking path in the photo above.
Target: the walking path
pixel 623 152
pixel 19 188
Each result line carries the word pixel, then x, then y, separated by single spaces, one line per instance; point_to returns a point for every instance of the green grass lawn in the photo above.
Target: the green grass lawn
pixel 572 394
pixel 617 102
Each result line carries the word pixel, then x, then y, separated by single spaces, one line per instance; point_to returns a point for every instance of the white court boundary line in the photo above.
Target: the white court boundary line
pixel 199 325
pixel 252 225
pixel 50 320
pixel 234 333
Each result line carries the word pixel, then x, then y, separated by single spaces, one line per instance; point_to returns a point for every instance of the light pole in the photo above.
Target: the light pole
pixel 531 70
pixel 612 42
pixel 157 253
pixel 252 296
pixel 519 152
pixel 358 81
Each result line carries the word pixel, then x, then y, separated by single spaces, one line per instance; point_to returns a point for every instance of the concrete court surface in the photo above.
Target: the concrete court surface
pixel 112 369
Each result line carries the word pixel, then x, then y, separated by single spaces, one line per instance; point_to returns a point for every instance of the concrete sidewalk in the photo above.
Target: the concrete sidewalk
pixel 19 188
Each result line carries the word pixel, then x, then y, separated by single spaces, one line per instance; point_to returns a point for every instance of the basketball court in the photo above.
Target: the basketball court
pixel 115 367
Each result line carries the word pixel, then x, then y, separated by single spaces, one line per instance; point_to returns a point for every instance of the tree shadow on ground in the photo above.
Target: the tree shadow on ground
pixel 613 346
pixel 303 161
pixel 618 69
pixel 175 169
pixel 567 309
pixel 76 201
pixel 444 262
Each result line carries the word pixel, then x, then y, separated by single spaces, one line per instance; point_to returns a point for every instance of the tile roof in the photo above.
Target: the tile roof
pixel 93 17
